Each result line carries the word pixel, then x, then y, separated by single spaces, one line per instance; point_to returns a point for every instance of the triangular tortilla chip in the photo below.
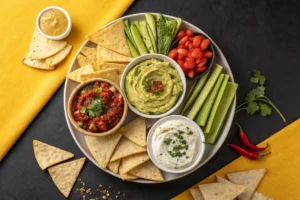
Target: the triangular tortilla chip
pixel 126 148
pixel 42 47
pixel 60 56
pixel 259 196
pixel 120 67
pixel 89 52
pixel 196 194
pixel 148 171
pixel 133 161
pixel 251 179
pixel 222 180
pixel 102 147
pixel 47 155
pixel 135 131
pixel 64 175
pixel 39 64
pixel 221 191
pixel 107 56
pixel 75 75
pixel 114 166
pixel 125 176
pixel 113 75
pixel 112 37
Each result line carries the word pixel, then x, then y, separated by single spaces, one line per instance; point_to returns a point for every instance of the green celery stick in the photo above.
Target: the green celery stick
pixel 137 24
pixel 152 24
pixel 152 39
pixel 146 37
pixel 133 51
pixel 128 33
pixel 138 40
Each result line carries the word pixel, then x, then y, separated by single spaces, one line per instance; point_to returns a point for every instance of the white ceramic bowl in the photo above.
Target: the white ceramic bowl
pixel 200 151
pixel 173 64
pixel 59 37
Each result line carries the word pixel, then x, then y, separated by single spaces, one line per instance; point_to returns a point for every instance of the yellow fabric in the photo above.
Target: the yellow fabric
pixel 283 178
pixel 24 90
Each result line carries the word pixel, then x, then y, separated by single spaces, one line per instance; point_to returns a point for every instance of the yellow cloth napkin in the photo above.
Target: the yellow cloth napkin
pixel 24 90
pixel 283 178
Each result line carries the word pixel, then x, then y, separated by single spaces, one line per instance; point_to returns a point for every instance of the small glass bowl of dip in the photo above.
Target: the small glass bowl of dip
pixel 54 23
pixel 175 144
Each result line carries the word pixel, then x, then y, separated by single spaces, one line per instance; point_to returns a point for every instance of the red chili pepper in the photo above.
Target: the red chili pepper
pixel 245 140
pixel 248 154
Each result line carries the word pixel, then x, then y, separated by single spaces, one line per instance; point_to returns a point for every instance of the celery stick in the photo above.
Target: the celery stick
pixel 138 40
pixel 137 24
pixel 223 108
pixel 152 24
pixel 152 39
pixel 133 51
pixel 205 110
pixel 205 92
pixel 196 90
pixel 128 33
pixel 216 105
pixel 146 37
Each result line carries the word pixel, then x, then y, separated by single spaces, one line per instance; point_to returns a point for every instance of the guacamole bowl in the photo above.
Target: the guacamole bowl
pixel 154 85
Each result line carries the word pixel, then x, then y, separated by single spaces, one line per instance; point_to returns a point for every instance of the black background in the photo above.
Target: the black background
pixel 262 35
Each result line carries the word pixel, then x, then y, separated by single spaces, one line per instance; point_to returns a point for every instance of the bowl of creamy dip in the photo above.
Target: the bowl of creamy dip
pixel 175 144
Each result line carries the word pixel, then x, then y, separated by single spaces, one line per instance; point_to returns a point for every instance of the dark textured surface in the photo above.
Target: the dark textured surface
pixel 252 34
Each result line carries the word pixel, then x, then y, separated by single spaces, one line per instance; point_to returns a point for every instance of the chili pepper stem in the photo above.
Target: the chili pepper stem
pixel 262 155
pixel 241 130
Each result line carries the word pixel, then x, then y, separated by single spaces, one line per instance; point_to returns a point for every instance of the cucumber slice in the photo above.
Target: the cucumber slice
pixel 152 39
pixel 205 92
pixel 128 33
pixel 133 51
pixel 137 24
pixel 152 24
pixel 205 110
pixel 146 37
pixel 138 40
pixel 223 108
pixel 216 105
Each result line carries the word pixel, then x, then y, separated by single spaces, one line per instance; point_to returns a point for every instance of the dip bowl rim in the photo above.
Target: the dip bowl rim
pixel 100 134
pixel 160 57
pixel 200 150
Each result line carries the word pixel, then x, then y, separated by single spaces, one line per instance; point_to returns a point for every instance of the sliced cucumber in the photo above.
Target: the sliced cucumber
pixel 133 51
pixel 128 33
pixel 152 39
pixel 137 24
pixel 138 40
pixel 146 36
pixel 152 24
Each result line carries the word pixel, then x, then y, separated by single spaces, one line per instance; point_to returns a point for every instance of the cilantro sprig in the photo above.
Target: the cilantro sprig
pixel 95 108
pixel 256 100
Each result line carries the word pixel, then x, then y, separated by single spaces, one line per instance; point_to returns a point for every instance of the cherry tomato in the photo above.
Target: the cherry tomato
pixel 186 45
pixel 183 40
pixel 200 69
pixel 190 54
pixel 183 52
pixel 180 63
pixel 202 62
pixel 191 38
pixel 202 37
pixel 180 46
pixel 189 59
pixel 180 57
pixel 208 54
pixel 197 60
pixel 191 73
pixel 196 41
pixel 173 53
pixel 197 54
pixel 189 32
pixel 204 44
pixel 190 46
pixel 185 70
pixel 181 34
pixel 189 64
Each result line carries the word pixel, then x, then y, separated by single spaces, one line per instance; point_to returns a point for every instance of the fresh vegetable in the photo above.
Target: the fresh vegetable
pixel 248 154
pixel 179 21
pixel 137 24
pixel 128 33
pixel 245 140
pixel 256 100
pixel 138 40
pixel 153 41
pixel 205 92
pixel 146 37
pixel 205 110
pixel 216 105
pixel 133 51
pixel 200 84
pixel 222 110
pixel 151 22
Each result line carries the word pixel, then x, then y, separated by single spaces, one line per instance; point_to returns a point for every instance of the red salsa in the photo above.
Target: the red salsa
pixel 97 107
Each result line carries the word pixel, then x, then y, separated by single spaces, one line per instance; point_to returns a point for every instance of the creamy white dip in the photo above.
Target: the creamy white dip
pixel 175 144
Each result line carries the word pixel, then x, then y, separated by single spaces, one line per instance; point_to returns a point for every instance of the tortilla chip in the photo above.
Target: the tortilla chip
pixel 89 52
pixel 112 37
pixel 259 196
pixel 196 194
pixel 135 131
pixel 60 56
pixel 125 176
pixel 105 55
pixel 42 47
pixel 221 191
pixel 39 64
pixel 114 166
pixel 126 148
pixel 47 155
pixel 120 67
pixel 75 75
pixel 110 74
pixel 148 171
pixel 102 147
pixel 64 175
pixel 222 180
pixel 133 161
pixel 251 179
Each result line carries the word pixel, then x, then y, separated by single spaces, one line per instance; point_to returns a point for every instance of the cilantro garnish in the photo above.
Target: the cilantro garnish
pixel 95 108
pixel 256 100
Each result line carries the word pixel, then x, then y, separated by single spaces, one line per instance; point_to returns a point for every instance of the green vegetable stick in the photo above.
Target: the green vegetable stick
pixel 200 84
pixel 205 110
pixel 128 33
pixel 151 22
pixel 216 105
pixel 133 51
pixel 146 37
pixel 138 40
pixel 137 24
pixel 152 39
pixel 218 122
pixel 205 92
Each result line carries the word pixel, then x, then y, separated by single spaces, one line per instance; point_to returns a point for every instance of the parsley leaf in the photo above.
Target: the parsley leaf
pixel 254 80
pixel 156 92
pixel 255 93
pixel 252 107
pixel 265 109
pixel 258 78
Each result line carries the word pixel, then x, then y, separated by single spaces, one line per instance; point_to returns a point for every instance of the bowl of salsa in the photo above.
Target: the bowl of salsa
pixel 97 107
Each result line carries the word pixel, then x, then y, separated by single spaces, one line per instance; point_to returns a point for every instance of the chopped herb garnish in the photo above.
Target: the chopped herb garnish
pixel 97 90
pixel 167 141
pixel 191 132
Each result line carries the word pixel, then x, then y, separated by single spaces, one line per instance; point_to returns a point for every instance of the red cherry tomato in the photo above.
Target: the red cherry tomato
pixel 182 52
pixel 189 64
pixel 180 57
pixel 173 53
pixel 180 63
pixel 191 73
pixel 181 34
pixel 208 54
pixel 191 38
pixel 190 46
pixel 197 54
pixel 197 60
pixel 180 46
pixel 186 45
pixel 202 37
pixel 185 70
pixel 204 44
pixel 202 62
pixel 200 69
pixel 189 59
pixel 183 40
pixel 196 41
pixel 190 53
pixel 189 32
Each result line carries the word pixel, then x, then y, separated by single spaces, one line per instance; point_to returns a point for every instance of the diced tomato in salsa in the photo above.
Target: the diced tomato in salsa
pixel 97 107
